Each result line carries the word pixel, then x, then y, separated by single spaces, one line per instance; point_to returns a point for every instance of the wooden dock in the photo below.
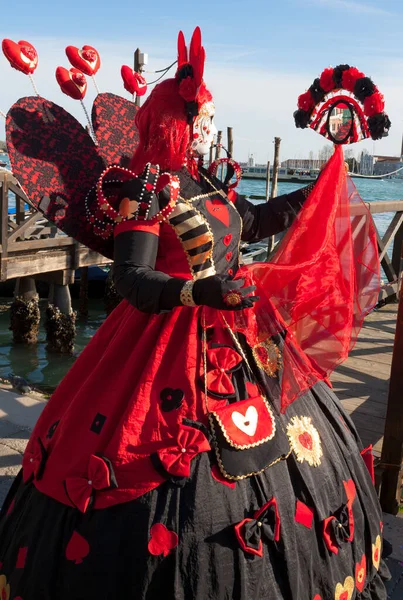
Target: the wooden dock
pixel 362 382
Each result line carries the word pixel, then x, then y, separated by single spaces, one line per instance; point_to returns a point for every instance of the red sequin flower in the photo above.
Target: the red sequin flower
pixel 374 104
pixel 306 102
pixel 326 80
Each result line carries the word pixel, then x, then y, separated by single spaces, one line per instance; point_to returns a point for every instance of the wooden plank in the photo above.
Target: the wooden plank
pixel 50 243
pixel 365 406
pixel 393 227
pixel 20 265
pixel 4 229
pixel 30 222
pixel 392 451
pixel 384 207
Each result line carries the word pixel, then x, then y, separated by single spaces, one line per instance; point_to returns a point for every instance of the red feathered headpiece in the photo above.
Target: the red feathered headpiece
pixel 190 71
pixel 164 121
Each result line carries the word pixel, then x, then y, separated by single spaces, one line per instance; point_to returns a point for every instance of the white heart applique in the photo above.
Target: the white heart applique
pixel 248 422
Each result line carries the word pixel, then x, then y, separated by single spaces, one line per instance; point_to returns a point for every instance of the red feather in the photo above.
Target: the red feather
pixel 182 50
pixel 197 56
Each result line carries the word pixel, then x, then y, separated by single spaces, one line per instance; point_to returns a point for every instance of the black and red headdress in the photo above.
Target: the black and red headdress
pixel 344 106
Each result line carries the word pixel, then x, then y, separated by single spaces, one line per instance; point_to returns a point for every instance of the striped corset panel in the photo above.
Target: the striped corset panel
pixel 196 237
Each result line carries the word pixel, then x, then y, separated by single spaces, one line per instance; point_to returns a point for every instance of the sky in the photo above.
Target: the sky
pixel 261 54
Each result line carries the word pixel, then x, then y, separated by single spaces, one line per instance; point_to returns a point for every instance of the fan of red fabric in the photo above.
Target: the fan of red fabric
pixel 80 489
pixel 190 442
pixel 322 282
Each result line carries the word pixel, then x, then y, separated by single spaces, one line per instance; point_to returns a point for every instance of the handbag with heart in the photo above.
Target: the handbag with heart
pixel 247 438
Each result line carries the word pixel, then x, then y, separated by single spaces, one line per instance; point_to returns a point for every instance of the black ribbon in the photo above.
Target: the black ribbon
pixel 262 527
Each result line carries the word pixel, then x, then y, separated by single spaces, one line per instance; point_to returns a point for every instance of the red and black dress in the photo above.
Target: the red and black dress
pixel 167 464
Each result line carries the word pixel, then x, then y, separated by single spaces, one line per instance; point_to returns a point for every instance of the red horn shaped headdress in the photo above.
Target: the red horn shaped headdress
pixel 190 71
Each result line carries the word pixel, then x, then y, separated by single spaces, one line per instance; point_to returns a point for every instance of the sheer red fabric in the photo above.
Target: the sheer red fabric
pixel 322 282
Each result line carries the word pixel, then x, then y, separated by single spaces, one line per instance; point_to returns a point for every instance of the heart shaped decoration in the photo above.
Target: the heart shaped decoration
pixel 248 422
pixel 86 60
pixel 219 210
pixel 72 83
pixel 128 208
pixel 162 540
pixel 21 56
pixel 133 82
pixel 361 573
pixel 344 591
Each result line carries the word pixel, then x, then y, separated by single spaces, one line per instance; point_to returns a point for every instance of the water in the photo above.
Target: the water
pixel 45 371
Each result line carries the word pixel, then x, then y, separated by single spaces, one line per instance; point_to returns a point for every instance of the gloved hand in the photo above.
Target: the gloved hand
pixel 223 294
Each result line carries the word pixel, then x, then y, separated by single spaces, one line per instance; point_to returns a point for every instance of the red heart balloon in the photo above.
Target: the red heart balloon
pixel 87 59
pixel 72 83
pixel 21 56
pixel 134 82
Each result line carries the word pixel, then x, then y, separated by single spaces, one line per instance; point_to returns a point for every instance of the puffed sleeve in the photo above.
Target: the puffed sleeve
pixel 135 254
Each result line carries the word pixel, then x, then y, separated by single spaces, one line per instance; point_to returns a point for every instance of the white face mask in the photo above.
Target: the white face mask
pixel 204 129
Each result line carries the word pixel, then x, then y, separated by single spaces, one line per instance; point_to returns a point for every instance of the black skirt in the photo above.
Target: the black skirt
pixel 201 537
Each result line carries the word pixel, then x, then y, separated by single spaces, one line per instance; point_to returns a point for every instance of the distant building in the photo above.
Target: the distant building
pixel 303 163
pixel 366 164
pixel 388 164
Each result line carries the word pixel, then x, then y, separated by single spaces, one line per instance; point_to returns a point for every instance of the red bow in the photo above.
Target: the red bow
pixel 176 459
pixel 33 461
pixel 265 524
pixel 339 527
pixel 219 378
pixel 80 489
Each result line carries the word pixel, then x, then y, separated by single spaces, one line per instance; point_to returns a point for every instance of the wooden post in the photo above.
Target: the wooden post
pixel 230 141
pixel 271 239
pixel 218 147
pixel 4 228
pixel 268 181
pixel 211 159
pixel 276 166
pixel 392 449
pixel 137 68
pixel 83 301
pixel 60 320
pixel 24 312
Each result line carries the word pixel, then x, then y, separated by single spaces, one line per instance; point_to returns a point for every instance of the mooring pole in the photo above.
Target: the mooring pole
pixel 392 449
pixel 276 166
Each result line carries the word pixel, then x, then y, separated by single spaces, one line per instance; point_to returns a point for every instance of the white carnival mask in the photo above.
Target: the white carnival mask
pixel 204 129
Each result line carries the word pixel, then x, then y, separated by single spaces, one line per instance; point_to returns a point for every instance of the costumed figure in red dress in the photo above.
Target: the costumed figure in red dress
pixel 195 450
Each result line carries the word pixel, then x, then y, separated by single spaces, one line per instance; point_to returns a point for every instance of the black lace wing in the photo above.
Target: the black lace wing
pixel 57 164
pixel 113 122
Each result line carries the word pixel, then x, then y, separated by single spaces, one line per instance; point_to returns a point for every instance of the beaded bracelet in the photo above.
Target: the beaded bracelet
pixel 186 295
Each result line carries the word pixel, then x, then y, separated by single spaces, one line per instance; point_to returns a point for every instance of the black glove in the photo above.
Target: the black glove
pixel 212 291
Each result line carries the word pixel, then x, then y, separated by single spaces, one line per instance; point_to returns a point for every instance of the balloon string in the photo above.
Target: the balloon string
pixel 3 114
pixel 95 83
pixel 33 84
pixel 94 137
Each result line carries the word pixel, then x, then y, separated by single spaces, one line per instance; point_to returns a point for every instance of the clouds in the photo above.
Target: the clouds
pixel 258 102
pixel 355 7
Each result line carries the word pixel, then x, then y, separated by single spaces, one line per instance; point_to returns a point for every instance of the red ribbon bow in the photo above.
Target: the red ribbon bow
pixel 33 461
pixel 80 489
pixel 176 459
pixel 219 378
pixel 264 525
pixel 339 527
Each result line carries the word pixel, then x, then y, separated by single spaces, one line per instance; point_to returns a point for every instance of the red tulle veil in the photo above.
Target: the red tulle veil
pixel 322 282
